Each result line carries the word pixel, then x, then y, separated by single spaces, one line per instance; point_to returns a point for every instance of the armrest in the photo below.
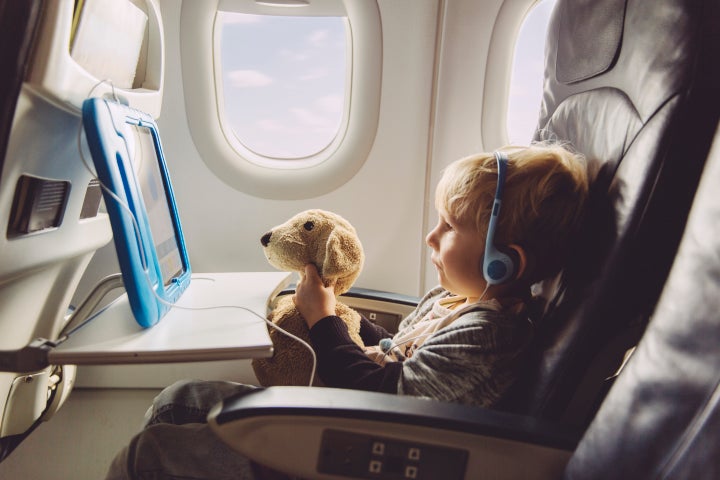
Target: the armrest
pixel 386 309
pixel 331 433
pixel 382 296
pixel 368 294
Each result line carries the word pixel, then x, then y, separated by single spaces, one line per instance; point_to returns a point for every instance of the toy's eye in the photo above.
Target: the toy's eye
pixel 309 226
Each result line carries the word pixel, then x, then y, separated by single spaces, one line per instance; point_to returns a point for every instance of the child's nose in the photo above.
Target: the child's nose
pixel 430 238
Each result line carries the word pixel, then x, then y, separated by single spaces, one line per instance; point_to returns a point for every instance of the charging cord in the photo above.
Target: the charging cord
pixel 387 345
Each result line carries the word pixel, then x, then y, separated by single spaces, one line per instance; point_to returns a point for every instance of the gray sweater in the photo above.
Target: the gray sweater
pixel 473 360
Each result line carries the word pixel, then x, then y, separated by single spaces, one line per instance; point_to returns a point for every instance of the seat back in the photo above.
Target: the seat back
pixel 662 417
pixel 639 104
pixel 18 22
pixel 49 221
pixel 18 26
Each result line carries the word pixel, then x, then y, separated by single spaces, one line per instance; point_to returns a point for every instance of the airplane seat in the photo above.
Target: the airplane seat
pixel 51 227
pixel 661 417
pixel 20 22
pixel 659 420
pixel 641 107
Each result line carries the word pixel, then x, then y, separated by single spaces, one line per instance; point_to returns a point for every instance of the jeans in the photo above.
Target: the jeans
pixel 177 444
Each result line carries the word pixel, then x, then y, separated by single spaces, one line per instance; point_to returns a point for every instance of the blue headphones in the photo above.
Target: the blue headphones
pixel 498 267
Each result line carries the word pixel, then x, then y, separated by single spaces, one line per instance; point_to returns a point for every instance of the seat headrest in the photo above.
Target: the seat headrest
pixel 590 33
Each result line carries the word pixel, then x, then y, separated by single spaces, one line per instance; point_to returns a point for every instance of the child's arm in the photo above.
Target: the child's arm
pixel 372 333
pixel 341 362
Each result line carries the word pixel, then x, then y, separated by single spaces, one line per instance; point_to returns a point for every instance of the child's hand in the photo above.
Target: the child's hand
pixel 314 300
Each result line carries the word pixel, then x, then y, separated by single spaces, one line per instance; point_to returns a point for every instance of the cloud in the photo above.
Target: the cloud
pixel 240 18
pixel 249 79
pixel 318 38
pixel 314 74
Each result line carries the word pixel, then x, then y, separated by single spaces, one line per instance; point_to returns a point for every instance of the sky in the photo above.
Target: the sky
pixel 526 82
pixel 284 81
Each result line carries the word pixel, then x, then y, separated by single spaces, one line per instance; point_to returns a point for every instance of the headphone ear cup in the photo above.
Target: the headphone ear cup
pixel 498 267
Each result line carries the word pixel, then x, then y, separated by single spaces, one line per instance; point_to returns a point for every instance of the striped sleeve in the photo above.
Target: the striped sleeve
pixel 472 361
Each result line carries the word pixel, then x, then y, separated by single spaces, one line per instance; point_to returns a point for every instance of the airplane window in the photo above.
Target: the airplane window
pixel 282 83
pixel 287 104
pixel 526 83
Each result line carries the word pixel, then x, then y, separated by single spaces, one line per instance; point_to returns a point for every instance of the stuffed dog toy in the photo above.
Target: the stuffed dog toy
pixel 330 242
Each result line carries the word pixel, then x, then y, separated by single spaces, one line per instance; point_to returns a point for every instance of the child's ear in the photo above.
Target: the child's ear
pixel 523 264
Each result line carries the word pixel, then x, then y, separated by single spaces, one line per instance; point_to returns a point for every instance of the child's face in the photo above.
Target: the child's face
pixel 458 250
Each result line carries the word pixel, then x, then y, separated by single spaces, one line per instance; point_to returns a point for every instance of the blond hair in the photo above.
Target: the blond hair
pixel 545 191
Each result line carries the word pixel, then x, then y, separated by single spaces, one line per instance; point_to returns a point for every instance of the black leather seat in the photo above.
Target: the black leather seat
pixel 633 85
pixel 18 25
pixel 662 417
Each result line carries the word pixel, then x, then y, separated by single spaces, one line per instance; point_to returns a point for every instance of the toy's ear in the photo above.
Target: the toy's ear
pixel 343 259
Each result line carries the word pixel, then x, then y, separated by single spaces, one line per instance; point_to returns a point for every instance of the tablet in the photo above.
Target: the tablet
pixel 126 150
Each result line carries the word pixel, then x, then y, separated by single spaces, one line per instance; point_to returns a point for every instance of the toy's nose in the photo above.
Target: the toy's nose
pixel 266 239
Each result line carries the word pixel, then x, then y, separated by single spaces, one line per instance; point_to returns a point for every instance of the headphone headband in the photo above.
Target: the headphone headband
pixel 498 267
pixel 502 162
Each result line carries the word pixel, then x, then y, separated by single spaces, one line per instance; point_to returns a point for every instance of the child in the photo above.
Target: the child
pixel 463 343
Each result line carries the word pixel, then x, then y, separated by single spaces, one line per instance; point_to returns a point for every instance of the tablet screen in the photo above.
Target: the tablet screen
pixel 153 192
pixel 128 157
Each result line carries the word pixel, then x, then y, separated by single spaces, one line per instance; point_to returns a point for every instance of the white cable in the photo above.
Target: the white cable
pixel 393 346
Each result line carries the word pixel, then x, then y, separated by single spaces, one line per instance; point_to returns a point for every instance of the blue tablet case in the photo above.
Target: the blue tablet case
pixel 126 150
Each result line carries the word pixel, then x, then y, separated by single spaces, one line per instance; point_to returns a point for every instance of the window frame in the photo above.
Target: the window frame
pixel 498 73
pixel 262 176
